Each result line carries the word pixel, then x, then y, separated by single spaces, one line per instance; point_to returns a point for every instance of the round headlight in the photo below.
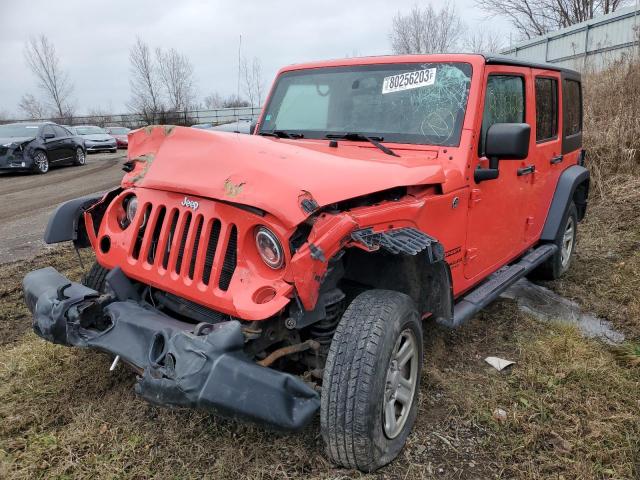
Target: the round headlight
pixel 269 247
pixel 131 207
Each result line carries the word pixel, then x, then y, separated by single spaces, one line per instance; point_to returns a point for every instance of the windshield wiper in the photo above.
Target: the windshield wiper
pixel 281 134
pixel 361 137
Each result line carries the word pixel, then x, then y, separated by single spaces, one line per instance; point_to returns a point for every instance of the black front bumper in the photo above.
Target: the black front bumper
pixel 180 368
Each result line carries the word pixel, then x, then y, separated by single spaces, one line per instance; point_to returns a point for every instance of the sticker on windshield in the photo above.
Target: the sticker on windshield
pixel 408 80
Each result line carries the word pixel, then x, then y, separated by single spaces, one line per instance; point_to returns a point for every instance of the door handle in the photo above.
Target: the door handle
pixel 556 159
pixel 526 170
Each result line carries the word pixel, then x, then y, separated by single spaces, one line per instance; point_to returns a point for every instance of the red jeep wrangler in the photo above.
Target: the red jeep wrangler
pixel 272 275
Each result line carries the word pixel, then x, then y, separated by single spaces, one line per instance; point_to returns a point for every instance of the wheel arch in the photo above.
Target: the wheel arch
pixel 573 185
pixel 427 281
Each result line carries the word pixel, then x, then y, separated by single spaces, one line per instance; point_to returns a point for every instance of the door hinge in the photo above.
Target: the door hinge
pixel 475 197
pixel 529 222
pixel 470 254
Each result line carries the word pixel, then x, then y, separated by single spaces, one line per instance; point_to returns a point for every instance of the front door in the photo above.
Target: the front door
pixel 496 220
pixel 54 145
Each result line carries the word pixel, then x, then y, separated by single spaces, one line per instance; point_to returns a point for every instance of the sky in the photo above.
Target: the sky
pixel 93 39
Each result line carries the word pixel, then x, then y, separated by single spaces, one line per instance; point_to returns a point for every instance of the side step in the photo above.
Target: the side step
pixel 485 293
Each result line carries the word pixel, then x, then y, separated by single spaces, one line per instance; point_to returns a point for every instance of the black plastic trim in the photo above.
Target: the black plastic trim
pixel 64 222
pixel 568 182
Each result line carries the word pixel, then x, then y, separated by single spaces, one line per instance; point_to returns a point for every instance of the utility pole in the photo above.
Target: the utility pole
pixel 238 90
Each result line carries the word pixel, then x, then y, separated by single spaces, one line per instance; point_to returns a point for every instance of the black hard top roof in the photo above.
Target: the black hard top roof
pixel 519 62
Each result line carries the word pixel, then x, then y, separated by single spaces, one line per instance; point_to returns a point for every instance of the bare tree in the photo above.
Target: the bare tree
pixel 213 101
pixel 234 101
pixel 426 30
pixel 537 17
pixel 43 61
pixel 483 41
pixel 32 107
pixel 144 82
pixel 176 76
pixel 99 116
pixel 252 81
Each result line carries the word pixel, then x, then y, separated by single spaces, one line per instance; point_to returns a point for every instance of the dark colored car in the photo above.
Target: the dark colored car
pixel 120 134
pixel 36 146
pixel 96 139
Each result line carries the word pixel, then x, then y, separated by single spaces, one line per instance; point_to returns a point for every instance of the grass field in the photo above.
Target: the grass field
pixel 571 404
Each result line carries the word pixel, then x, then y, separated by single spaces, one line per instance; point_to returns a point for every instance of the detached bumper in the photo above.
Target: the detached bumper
pixel 180 368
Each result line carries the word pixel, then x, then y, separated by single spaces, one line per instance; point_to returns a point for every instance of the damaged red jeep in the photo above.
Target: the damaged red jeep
pixel 271 276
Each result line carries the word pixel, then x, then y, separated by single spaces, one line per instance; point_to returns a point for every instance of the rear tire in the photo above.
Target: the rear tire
pixel 371 376
pixel 81 158
pixel 96 278
pixel 558 264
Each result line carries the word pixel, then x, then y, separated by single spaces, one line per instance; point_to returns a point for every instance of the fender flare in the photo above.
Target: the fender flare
pixel 64 221
pixel 574 180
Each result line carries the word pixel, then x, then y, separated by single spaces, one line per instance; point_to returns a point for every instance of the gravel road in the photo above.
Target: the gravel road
pixel 27 200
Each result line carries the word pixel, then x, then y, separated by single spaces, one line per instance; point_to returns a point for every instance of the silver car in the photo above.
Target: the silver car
pixel 95 138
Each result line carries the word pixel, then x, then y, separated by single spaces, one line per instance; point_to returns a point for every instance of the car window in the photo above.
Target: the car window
pixel 546 108
pixel 503 103
pixel 60 132
pixel 420 103
pixel 572 107
pixel 48 130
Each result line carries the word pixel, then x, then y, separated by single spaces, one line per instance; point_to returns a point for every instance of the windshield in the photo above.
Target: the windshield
pixel 118 130
pixel 89 130
pixel 18 130
pixel 422 103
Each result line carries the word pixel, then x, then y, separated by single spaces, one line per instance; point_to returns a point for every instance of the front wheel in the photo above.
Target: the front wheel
pixel 371 380
pixel 80 159
pixel 96 278
pixel 40 162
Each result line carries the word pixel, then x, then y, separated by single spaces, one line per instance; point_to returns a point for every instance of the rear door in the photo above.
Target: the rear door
pixel 66 142
pixel 546 152
pixel 496 207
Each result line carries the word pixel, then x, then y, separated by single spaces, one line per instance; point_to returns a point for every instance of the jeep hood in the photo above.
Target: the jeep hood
pixel 269 173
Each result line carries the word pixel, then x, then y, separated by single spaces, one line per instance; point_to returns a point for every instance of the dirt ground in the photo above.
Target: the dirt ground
pixel 27 199
pixel 570 404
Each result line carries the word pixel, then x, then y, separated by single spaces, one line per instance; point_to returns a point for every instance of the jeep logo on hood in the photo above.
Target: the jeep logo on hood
pixel 190 203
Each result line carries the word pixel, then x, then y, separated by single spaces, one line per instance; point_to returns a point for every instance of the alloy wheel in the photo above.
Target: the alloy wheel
pixel 42 162
pixel 567 242
pixel 401 381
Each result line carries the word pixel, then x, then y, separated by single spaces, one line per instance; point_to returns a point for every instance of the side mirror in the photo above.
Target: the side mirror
pixel 252 127
pixel 504 141
pixel 47 136
pixel 508 141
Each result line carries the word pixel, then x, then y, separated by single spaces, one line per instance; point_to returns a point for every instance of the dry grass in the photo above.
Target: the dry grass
pixel 612 123
pixel 571 406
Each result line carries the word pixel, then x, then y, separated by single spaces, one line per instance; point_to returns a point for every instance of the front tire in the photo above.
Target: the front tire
pixel 371 380
pixel 81 158
pixel 96 278
pixel 40 162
